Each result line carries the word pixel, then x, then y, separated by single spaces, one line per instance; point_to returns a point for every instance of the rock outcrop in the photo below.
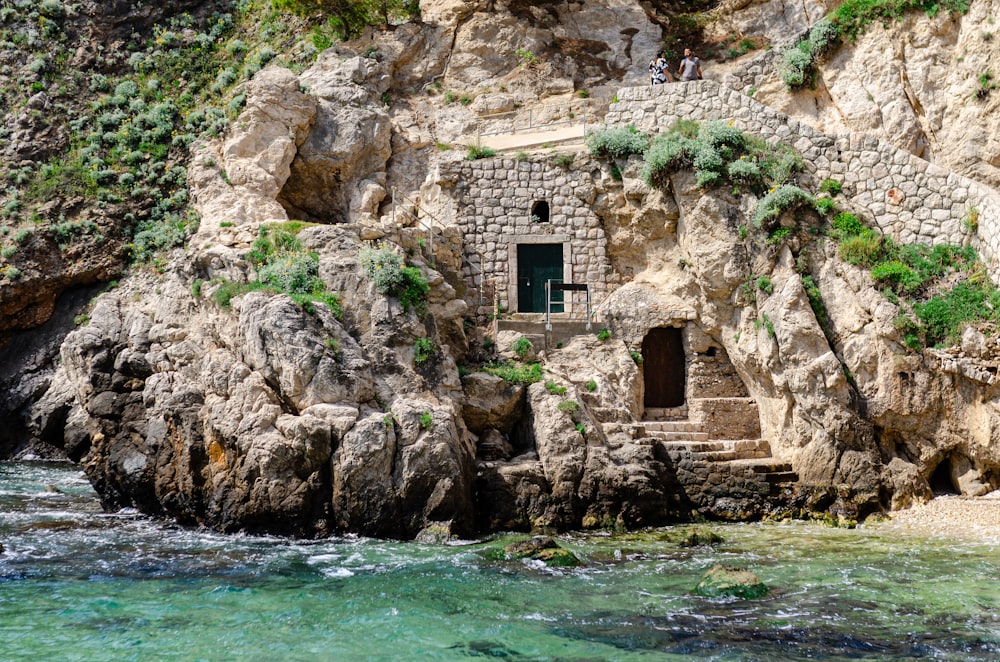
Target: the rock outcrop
pixel 197 391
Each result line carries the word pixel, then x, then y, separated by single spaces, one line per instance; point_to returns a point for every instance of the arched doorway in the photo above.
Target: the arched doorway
pixel 663 368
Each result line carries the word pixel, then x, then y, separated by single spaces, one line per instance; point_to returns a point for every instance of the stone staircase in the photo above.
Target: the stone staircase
pixel 711 469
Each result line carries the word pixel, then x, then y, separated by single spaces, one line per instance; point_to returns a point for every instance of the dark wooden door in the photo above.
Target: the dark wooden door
pixel 537 263
pixel 663 368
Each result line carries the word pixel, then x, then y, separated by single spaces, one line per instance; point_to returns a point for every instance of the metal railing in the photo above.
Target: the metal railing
pixel 589 110
pixel 407 210
pixel 552 286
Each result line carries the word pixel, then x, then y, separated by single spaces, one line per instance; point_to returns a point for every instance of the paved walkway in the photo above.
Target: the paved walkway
pixel 510 141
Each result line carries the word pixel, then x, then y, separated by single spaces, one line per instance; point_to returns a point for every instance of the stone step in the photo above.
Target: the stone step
pixel 763 466
pixel 781 477
pixel 731 455
pixel 677 436
pixel 670 426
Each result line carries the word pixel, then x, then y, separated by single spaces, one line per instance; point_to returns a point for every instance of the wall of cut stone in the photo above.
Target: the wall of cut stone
pixel 908 198
pixel 493 200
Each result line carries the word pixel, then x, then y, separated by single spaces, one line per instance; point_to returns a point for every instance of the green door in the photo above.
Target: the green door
pixel 537 263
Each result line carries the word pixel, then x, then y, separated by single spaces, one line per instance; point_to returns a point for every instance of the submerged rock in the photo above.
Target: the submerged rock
pixel 544 549
pixel 698 537
pixel 731 580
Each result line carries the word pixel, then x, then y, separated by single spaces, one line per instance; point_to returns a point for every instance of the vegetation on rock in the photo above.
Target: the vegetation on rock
pixel 849 21
pixel 392 278
pixel 939 288
pixel 283 266
pixel 728 580
pixel 719 153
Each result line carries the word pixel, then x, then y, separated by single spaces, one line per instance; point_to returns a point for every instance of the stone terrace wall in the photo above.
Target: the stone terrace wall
pixel 907 197
pixel 493 202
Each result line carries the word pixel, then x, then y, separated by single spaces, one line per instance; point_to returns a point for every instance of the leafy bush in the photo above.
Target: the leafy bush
pixel 831 186
pixel 719 152
pixel 618 142
pixel 568 406
pixel 943 317
pixel 898 276
pixel 479 152
pixel 391 278
pixel 784 198
pixel 591 386
pixel 522 347
pixel 604 334
pixel 863 249
pixel 423 348
pixel 292 274
pixel 825 206
pixel 515 374
pixel 554 389
pixel 426 420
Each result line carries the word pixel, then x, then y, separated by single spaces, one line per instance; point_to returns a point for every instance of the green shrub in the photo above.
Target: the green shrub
pixel 515 374
pixel 784 198
pixel 604 334
pixel 636 356
pixel 479 152
pixel 831 186
pixel 591 386
pixel 568 406
pixel 581 428
pixel 719 152
pixel 943 317
pixel 765 285
pixel 554 389
pixel 825 206
pixel 8 252
pixel 423 348
pixel 898 276
pixel 391 278
pixel 292 273
pixel 522 347
pixel 618 142
pixel 815 299
pixel 426 420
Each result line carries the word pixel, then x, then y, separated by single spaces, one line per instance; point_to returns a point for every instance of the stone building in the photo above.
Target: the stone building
pixel 526 221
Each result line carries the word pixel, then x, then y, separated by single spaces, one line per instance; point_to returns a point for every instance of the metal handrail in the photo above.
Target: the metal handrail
pixel 554 283
pixel 429 228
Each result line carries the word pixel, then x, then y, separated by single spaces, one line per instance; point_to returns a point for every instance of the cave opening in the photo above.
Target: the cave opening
pixel 941 481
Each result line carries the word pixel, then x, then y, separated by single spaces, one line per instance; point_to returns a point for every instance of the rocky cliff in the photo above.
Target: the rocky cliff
pixel 267 377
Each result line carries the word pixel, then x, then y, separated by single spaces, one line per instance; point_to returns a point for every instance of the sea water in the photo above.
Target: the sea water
pixel 77 583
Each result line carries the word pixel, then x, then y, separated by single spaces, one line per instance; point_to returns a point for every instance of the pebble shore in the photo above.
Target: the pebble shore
pixel 975 519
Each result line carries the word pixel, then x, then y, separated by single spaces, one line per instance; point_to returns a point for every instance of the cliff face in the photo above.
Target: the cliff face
pixel 192 393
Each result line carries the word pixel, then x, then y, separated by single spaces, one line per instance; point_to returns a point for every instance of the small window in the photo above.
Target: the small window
pixel 540 212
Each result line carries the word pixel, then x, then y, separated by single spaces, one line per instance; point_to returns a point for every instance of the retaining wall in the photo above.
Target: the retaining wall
pixel 908 198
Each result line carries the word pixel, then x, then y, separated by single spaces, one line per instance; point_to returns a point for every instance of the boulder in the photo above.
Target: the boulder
pixel 730 580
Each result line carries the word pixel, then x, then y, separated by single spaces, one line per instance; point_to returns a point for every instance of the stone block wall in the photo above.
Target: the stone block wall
pixel 493 200
pixel 908 198
pixel 725 418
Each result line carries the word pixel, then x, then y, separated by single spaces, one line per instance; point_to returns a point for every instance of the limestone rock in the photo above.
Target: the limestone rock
pixel 728 580
pixel 491 402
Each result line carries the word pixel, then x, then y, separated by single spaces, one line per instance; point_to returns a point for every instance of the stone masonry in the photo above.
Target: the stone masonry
pixel 908 198
pixel 494 199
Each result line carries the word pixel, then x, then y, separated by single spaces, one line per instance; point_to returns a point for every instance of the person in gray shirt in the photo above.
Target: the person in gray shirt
pixel 690 68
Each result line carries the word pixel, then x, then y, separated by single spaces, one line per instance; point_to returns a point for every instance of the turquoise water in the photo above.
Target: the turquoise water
pixel 79 584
